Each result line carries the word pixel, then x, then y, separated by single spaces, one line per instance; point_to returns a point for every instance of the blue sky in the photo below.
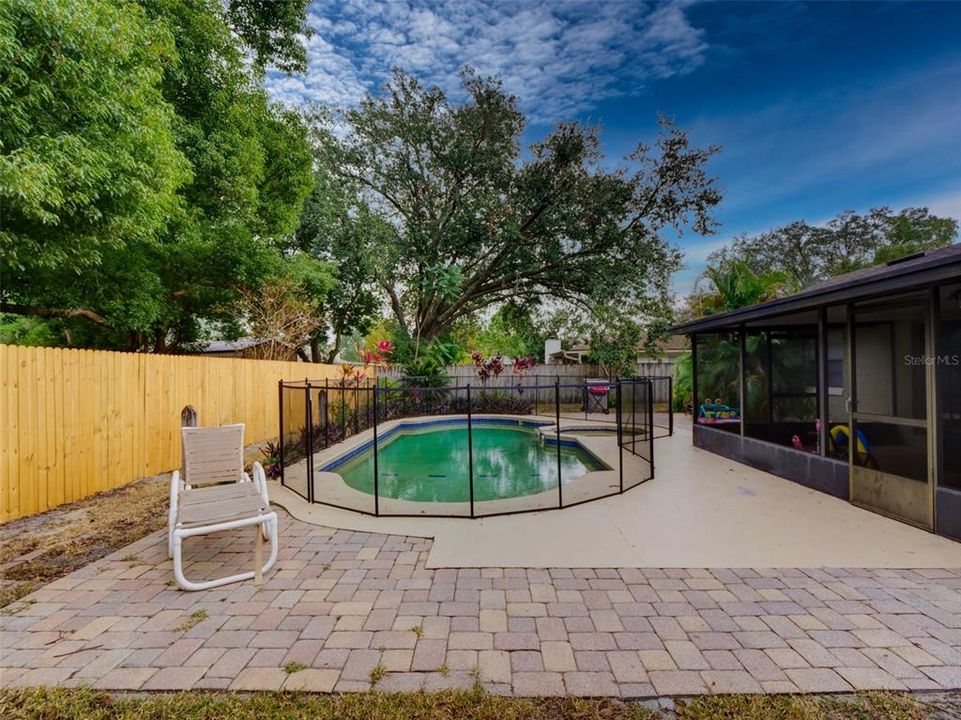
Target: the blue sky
pixel 819 107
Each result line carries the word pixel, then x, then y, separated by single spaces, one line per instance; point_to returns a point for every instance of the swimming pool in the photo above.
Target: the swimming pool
pixel 429 462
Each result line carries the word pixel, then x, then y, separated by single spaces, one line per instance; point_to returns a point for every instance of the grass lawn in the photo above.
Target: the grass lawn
pixel 82 704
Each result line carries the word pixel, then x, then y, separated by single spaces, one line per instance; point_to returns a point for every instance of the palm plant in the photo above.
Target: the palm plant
pixel 734 285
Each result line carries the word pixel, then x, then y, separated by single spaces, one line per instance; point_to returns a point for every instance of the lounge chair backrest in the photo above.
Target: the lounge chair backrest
pixel 213 454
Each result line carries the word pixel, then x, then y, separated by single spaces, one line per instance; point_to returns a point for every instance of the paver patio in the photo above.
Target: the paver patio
pixel 342 603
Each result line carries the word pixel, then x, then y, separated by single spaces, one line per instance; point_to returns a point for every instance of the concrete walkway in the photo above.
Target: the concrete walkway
pixel 343 603
pixel 701 510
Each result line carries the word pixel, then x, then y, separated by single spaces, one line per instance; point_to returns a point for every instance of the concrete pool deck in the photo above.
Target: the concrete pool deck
pixel 700 511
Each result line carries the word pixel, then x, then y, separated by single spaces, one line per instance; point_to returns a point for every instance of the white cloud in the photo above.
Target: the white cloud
pixel 560 59
pixel 946 205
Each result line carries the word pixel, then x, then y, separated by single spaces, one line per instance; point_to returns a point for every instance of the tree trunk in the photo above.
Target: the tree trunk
pixel 159 340
pixel 332 355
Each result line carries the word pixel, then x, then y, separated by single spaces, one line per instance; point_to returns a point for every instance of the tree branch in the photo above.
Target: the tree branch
pixel 396 306
pixel 48 312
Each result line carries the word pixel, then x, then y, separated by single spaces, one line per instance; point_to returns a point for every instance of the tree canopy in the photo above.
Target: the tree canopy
pixel 148 180
pixel 88 153
pixel 807 254
pixel 615 339
pixel 469 222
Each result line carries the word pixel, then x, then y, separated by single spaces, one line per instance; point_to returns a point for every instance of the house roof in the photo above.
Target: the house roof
pixel 895 276
pixel 222 346
pixel 673 344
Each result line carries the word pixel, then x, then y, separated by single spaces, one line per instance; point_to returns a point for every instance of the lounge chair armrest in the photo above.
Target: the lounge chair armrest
pixel 260 480
pixel 176 486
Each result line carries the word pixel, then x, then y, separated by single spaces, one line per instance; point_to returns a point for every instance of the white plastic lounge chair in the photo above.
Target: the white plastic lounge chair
pixel 216 494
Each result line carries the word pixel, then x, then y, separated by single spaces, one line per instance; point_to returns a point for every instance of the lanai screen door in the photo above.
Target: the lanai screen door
pixel 889 441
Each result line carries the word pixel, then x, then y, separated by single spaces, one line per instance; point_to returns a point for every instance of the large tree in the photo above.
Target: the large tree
pixel 807 254
pixel 338 229
pixel 181 248
pixel 88 155
pixel 473 223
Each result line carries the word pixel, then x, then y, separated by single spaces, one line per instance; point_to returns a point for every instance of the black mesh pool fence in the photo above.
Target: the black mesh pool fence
pixel 468 450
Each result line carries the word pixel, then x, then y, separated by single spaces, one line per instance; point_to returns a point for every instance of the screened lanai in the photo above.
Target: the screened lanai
pixel 852 387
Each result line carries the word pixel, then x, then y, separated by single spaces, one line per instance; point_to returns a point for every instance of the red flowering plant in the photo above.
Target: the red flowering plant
pixel 380 359
pixel 522 364
pixel 486 369
pixel 509 398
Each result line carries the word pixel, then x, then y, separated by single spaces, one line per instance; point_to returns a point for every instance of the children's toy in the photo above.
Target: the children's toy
pixel 716 413
pixel 838 438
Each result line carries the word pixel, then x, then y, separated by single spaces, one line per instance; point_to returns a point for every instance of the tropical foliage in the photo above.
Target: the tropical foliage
pixel 512 331
pixel 733 285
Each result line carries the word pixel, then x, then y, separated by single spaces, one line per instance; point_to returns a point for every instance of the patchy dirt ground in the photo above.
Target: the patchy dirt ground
pixel 37 549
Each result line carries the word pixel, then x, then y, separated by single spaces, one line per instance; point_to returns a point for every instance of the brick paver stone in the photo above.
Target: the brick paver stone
pixel 730 681
pixel 627 667
pixel 312 680
pixel 494 666
pixel 343 603
pixel 174 678
pixel 590 684
pixel 677 682
pixel 558 656
pixel 818 680
pixel 538 684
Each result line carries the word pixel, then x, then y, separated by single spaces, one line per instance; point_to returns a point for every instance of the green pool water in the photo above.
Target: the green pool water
pixel 431 464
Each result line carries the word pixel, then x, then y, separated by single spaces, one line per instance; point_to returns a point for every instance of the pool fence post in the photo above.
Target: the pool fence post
pixel 670 405
pixel 280 440
pixel 343 409
pixel 367 404
pixel 310 442
pixel 326 412
pixel 470 451
pixel 376 479
pixel 557 437
pixel 356 410
pixel 650 421
pixel 620 435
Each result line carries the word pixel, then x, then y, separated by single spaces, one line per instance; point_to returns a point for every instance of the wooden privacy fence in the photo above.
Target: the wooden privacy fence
pixel 76 422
